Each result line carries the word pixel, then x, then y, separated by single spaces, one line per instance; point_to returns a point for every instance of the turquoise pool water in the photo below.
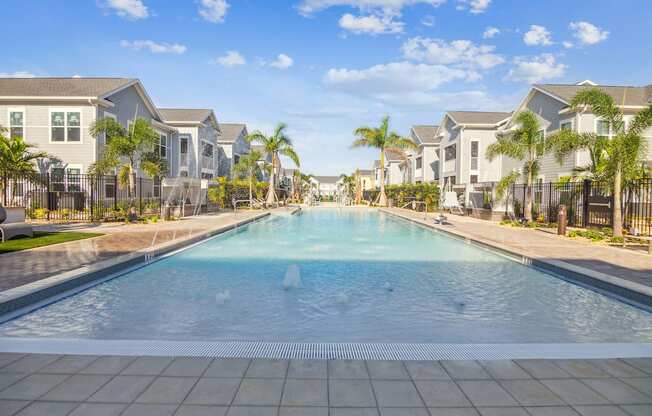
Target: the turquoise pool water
pixel 333 275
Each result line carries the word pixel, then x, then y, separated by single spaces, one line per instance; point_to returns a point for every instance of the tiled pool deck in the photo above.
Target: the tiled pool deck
pixel 112 385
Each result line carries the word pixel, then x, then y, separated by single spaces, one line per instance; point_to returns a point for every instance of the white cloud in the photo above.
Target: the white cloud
pixel 393 7
pixel 491 32
pixel 536 69
pixel 282 61
pixel 371 24
pixel 567 44
pixel 474 6
pixel 17 74
pixel 537 35
pixel 231 59
pixel 154 47
pixel 213 10
pixel 438 51
pixel 428 20
pixel 129 9
pixel 587 33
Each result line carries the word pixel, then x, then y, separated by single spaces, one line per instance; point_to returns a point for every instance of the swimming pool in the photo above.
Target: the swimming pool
pixel 330 275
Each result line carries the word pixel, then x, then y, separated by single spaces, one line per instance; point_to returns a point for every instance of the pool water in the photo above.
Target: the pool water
pixel 329 275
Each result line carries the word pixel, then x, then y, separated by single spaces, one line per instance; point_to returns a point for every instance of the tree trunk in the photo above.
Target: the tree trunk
pixel 271 193
pixel 382 201
pixel 132 183
pixel 527 211
pixel 618 215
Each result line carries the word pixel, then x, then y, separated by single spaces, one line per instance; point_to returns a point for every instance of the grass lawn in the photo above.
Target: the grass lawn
pixel 43 238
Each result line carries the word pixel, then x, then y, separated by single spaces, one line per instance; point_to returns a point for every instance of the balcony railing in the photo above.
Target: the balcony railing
pixel 183 159
pixel 207 162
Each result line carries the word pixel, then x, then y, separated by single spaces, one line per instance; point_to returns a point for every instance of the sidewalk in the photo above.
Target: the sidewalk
pixel 629 265
pixel 22 267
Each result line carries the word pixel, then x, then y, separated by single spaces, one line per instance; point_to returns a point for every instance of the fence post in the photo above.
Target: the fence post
pixel 47 195
pixel 586 192
pixel 4 189
pixel 92 180
pixel 550 201
pixel 140 196
pixel 160 196
pixel 115 192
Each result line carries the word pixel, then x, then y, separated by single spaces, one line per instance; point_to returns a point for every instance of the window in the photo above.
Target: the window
pixel 156 187
pixel 419 162
pixel 107 137
pixel 474 179
pixel 236 159
pixel 541 136
pixel 74 179
pixel 205 175
pixel 450 152
pixel 538 191
pixel 109 189
pixel 207 150
pixel 163 146
pixel 602 128
pixel 474 155
pixel 566 125
pixel 16 124
pixel 183 173
pixel 65 126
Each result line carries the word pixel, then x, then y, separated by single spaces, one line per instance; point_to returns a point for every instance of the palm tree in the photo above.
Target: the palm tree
pixel 623 151
pixel 358 187
pixel 381 138
pixel 16 157
pixel 275 145
pixel 527 144
pixel 567 141
pixel 249 168
pixel 128 150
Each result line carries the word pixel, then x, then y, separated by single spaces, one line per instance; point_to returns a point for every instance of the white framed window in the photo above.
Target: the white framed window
pixel 16 122
pixel 541 137
pixel 602 128
pixel 65 126
pixel 207 150
pixel 450 152
pixel 163 146
pixel 475 151
pixel 107 138
pixel 66 178
pixel 419 162
pixel 566 125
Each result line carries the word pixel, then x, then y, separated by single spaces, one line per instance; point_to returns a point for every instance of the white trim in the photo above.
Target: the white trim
pixel 188 138
pixel 167 144
pixel 65 111
pixel 17 110
pixel 109 115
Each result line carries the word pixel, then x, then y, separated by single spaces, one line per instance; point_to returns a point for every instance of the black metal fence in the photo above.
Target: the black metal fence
pixel 79 197
pixel 589 204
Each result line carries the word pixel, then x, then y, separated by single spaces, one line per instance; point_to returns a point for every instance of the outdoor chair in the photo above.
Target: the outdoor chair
pixel 12 226
pixel 451 203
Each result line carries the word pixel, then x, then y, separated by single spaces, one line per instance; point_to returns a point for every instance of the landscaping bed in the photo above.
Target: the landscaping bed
pixel 43 238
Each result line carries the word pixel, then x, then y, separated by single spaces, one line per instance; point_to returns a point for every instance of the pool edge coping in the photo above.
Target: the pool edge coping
pixel 620 288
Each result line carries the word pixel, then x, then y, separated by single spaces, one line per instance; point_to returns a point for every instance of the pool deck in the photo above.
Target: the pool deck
pixel 630 266
pixel 33 384
pixel 28 266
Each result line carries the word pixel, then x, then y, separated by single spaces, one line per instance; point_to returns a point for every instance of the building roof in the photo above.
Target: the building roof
pixel 622 95
pixel 365 172
pixel 478 117
pixel 327 179
pixel 393 155
pixel 231 131
pixel 61 87
pixel 186 115
pixel 427 134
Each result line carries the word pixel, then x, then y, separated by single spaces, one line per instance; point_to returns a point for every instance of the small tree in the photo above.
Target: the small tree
pixel 249 168
pixel 17 157
pixel 565 142
pixel 526 143
pixel 128 150
pixel 382 139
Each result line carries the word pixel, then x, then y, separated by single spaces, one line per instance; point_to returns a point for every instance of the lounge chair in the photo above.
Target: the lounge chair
pixel 451 203
pixel 13 225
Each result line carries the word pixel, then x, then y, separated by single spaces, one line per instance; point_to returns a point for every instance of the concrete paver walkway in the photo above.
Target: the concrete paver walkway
pixel 110 385
pixel 28 266
pixel 633 266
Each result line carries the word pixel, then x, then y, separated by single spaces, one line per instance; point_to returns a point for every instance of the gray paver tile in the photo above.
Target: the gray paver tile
pixel 32 386
pixel 351 393
pixel 308 369
pixel 643 364
pixel 552 411
pixel 347 369
pixel 396 393
pixel 108 365
pixel 453 411
pixel 260 368
pixel 259 392
pixel 77 388
pixel 30 363
pixel 187 367
pixel 138 409
pixel 343 411
pixel 403 411
pixel 641 384
pixel 600 411
pixel 7 358
pixel 70 364
pixel 305 393
pixel 638 409
pixel 531 393
pixel 147 366
pixel 426 370
pixel 618 368
pixel 303 411
pixel 227 367
pixel 437 393
pixel 574 392
pixel 389 370
pixel 214 391
pixel 502 411
pixel 167 390
pixel 47 409
pixel 542 369
pixel 195 410
pixel 581 369
pixel 98 409
pixel 11 407
pixel 617 392
pixel 486 393
pixel 7 379
pixel 122 389
pixel 504 370
pixel 252 411
pixel 464 369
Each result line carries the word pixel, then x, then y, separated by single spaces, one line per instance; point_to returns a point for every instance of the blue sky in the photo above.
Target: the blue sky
pixel 327 66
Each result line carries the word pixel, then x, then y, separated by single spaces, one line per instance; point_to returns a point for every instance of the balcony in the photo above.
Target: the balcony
pixel 183 160
pixel 207 162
